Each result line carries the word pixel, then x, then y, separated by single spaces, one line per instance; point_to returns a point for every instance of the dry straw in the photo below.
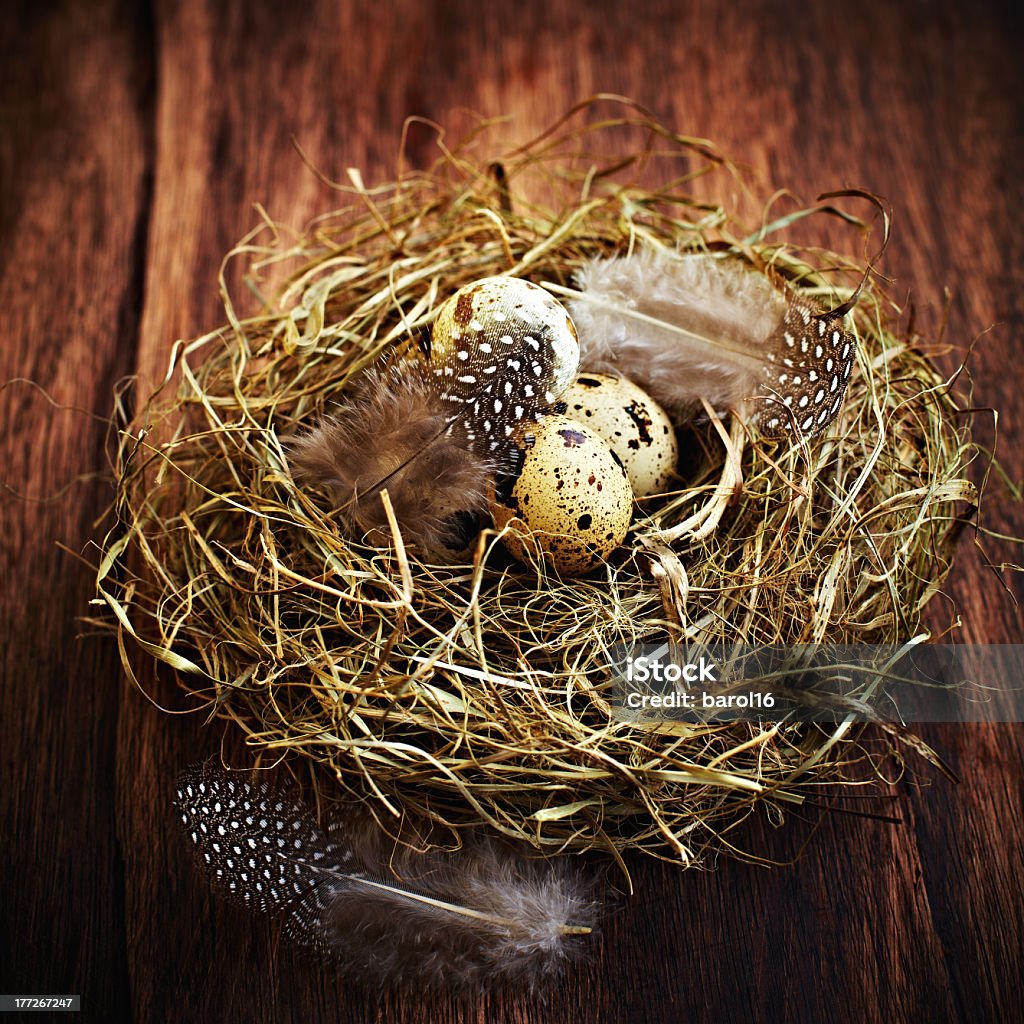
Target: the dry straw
pixel 480 693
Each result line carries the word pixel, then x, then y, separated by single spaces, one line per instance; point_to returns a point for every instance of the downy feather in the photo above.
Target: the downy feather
pixel 480 917
pixel 394 433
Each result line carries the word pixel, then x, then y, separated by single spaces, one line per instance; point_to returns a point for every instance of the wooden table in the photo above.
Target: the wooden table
pixel 134 144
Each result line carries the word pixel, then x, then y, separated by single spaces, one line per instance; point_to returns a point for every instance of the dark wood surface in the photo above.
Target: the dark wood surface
pixel 133 145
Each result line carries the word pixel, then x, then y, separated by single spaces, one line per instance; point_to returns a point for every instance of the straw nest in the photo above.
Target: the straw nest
pixel 479 694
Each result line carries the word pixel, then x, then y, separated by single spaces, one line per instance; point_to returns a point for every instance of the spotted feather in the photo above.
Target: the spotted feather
pixel 502 351
pixel 384 914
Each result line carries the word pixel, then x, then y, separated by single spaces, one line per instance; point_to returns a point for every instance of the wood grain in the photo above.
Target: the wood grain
pixel 74 184
pixel 135 146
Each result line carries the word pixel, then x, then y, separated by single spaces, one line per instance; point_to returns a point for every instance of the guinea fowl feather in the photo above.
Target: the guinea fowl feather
pixel 687 328
pixel 479 917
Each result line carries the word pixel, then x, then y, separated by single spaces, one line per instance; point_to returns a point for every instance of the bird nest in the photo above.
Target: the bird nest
pixel 481 693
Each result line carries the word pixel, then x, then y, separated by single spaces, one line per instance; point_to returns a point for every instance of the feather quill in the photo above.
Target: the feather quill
pixel 687 328
pixel 395 433
pixel 476 918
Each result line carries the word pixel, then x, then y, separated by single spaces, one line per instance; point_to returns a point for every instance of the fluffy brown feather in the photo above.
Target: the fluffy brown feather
pixel 477 918
pixel 394 434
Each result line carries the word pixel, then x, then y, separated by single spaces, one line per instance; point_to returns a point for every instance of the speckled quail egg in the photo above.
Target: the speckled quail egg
pixel 502 350
pixel 631 423
pixel 571 498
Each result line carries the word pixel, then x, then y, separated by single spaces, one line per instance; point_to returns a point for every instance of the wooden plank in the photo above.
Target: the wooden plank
pixel 235 82
pixel 73 214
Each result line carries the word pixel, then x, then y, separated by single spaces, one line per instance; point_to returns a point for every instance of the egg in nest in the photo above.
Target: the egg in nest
pixel 631 423
pixel 571 500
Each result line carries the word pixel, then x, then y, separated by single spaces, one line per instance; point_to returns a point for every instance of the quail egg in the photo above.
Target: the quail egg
pixel 571 498
pixel 631 423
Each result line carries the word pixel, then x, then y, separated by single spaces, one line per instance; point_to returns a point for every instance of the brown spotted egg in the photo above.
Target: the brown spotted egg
pixel 502 350
pixel 571 499
pixel 632 424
